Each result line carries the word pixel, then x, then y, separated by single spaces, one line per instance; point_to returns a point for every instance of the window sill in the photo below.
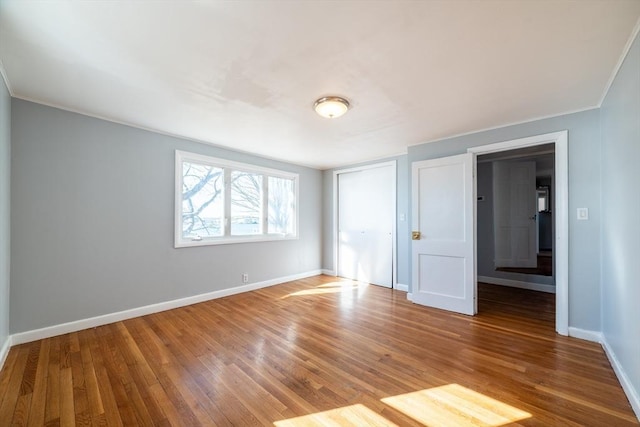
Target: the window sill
pixel 214 241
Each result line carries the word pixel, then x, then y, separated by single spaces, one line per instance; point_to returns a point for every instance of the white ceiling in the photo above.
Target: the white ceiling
pixel 245 74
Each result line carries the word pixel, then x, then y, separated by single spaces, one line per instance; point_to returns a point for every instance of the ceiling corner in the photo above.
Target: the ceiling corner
pixel 5 78
pixel 623 55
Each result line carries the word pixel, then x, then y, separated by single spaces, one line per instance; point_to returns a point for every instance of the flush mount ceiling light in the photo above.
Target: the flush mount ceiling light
pixel 331 106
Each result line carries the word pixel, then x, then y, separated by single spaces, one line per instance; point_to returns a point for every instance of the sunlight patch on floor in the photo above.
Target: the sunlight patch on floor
pixel 451 405
pixel 342 284
pixel 329 288
pixel 454 405
pixel 354 415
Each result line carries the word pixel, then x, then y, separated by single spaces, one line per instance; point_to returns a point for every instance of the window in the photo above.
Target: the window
pixel 543 199
pixel 219 201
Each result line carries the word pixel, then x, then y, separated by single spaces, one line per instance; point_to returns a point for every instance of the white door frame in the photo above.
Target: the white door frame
pixel 394 261
pixel 560 209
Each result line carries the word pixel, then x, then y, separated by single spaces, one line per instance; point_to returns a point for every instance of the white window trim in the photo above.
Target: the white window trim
pixel 180 242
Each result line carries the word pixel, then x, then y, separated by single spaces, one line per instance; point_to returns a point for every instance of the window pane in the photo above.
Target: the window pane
pixel 202 201
pixel 246 203
pixel 281 206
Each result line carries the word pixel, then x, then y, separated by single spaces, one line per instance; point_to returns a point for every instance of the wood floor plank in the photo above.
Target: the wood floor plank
pixel 52 406
pixel 319 350
pixel 21 411
pixel 10 399
pixel 94 399
pixel 5 374
pixel 111 410
pixel 37 409
pixel 165 391
pixel 124 392
pixel 67 410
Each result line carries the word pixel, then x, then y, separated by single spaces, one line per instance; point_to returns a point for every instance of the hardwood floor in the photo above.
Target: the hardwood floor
pixel 544 267
pixel 349 354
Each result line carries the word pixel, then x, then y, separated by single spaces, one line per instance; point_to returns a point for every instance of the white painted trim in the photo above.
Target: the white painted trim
pixel 334 216
pixel 193 139
pixel 162 132
pixel 4 351
pixel 402 287
pixel 92 322
pixel 585 334
pixel 530 141
pixel 410 296
pixel 365 167
pixel 394 238
pixel 517 284
pixel 518 156
pixel 627 386
pixel 561 211
pixel 3 72
pixel 375 159
pixel 328 272
pixel 623 56
pixel 632 394
pixel 227 166
pixel 204 159
pixel 536 119
pixel 561 219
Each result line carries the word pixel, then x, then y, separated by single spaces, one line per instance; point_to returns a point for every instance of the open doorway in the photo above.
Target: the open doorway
pixel 515 227
pixel 444 227
pixel 557 208
pixel 515 218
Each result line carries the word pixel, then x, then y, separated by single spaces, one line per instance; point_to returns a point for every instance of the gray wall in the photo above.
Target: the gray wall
pixel 93 204
pixel 620 114
pixel 402 226
pixel 484 234
pixel 5 199
pixel 584 191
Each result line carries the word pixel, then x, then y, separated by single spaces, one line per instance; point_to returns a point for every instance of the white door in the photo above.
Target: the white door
pixel 514 213
pixel 443 197
pixel 365 225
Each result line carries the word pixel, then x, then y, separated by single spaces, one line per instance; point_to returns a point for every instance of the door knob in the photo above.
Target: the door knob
pixel 415 235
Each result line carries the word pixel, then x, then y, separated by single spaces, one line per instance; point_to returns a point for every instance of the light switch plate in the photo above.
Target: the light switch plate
pixel 583 214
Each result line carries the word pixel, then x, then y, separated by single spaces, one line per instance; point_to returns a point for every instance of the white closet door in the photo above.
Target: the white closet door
pixel 365 225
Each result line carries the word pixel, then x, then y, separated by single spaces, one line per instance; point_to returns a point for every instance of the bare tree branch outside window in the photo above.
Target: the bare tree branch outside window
pixel 202 194
pixel 203 204
pixel 281 205
pixel 246 203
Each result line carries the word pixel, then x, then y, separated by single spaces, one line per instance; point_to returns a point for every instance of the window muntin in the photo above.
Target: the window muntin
pixel 220 201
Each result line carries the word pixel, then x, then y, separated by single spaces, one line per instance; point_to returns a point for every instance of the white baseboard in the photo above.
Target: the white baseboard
pixel 402 287
pixel 585 334
pixel 329 272
pixel 92 322
pixel 517 284
pixel 410 296
pixel 627 385
pixel 4 351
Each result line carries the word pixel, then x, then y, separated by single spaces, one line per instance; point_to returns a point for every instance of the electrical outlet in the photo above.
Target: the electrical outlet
pixel 245 277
